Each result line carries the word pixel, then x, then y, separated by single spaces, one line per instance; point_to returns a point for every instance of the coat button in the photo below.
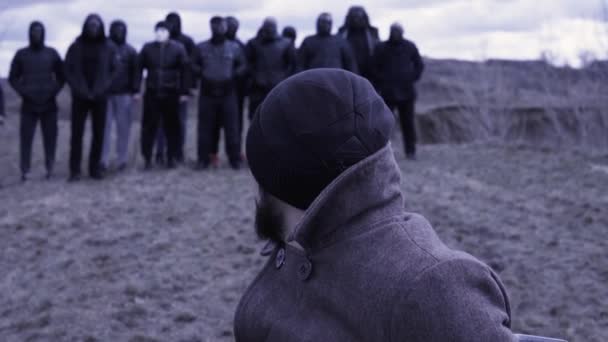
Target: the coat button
pixel 280 258
pixel 305 270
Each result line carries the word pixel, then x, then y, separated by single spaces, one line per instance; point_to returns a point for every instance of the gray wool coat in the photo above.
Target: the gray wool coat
pixel 371 272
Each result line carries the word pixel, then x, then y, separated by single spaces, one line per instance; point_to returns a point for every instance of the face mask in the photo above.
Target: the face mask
pixel 162 35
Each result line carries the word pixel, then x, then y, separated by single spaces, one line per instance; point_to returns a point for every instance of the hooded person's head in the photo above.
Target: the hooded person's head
pixel 396 33
pixel 324 24
pixel 232 24
pixel 93 29
pixel 36 35
pixel 357 18
pixel 218 29
pixel 309 130
pixel 118 32
pixel 290 33
pixel 174 22
pixel 269 30
pixel 161 32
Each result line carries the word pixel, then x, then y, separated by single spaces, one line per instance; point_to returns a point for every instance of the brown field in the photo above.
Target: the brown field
pixel 514 170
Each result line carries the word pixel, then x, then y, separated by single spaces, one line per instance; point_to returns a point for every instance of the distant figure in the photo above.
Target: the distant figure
pixel 290 33
pixel 90 66
pixel 166 86
pixel 271 59
pixel 219 63
pixel 123 89
pixel 324 50
pixel 362 38
pixel 174 22
pixel 346 261
pixel 2 108
pixel 241 91
pixel 398 65
pixel 37 75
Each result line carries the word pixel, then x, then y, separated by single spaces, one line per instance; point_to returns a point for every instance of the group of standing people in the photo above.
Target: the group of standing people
pixel 105 76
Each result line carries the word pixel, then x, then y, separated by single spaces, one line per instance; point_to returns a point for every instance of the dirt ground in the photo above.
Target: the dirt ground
pixel 165 255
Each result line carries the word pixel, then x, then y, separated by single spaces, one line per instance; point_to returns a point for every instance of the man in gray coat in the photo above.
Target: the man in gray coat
pixel 348 263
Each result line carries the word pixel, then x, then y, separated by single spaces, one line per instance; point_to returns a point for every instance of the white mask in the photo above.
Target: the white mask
pixel 162 35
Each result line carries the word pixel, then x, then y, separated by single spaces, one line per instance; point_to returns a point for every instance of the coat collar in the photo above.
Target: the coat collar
pixel 366 193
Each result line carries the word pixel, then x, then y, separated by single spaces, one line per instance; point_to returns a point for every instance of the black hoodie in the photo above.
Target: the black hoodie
pixel 1 102
pixel 37 75
pixel 126 81
pixel 397 66
pixel 362 42
pixel 187 42
pixel 91 64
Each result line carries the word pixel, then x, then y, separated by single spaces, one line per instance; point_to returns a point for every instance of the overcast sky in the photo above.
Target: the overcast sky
pixel 463 29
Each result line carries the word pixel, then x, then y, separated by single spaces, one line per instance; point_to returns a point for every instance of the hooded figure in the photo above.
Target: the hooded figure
pixel 220 64
pixel 37 75
pixel 167 67
pixel 397 67
pixel 324 50
pixel 290 33
pixel 231 34
pixel 91 67
pixel 348 263
pixel 271 59
pixel 174 24
pixel 362 38
pixel 174 21
pixel 2 109
pixel 124 87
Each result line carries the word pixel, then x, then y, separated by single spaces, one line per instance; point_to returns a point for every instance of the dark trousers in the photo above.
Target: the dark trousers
pixel 211 112
pixel 161 141
pixel 256 98
pixel 48 125
pixel 80 111
pixel 407 118
pixel 160 109
pixel 218 128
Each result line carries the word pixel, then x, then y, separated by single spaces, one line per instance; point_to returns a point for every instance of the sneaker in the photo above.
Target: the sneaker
pixel 160 159
pixel 410 156
pixel 215 160
pixel 121 167
pixel 148 165
pixel 49 175
pixel 25 177
pixel 103 167
pixel 235 165
pixel 97 175
pixel 201 165
pixel 171 164
pixel 75 177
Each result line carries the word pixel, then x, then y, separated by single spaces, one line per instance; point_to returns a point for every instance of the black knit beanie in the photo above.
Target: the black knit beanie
pixel 311 128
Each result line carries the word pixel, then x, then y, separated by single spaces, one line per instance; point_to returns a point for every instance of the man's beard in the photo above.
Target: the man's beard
pixel 269 221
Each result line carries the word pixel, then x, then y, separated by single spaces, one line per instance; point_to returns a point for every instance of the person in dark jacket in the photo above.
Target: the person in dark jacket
pixel 2 109
pixel 271 59
pixel 37 75
pixel 122 92
pixel 174 22
pixel 362 38
pixel 324 50
pixel 167 85
pixel 232 24
pixel 347 263
pixel 397 66
pixel 290 33
pixel 90 68
pixel 219 63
